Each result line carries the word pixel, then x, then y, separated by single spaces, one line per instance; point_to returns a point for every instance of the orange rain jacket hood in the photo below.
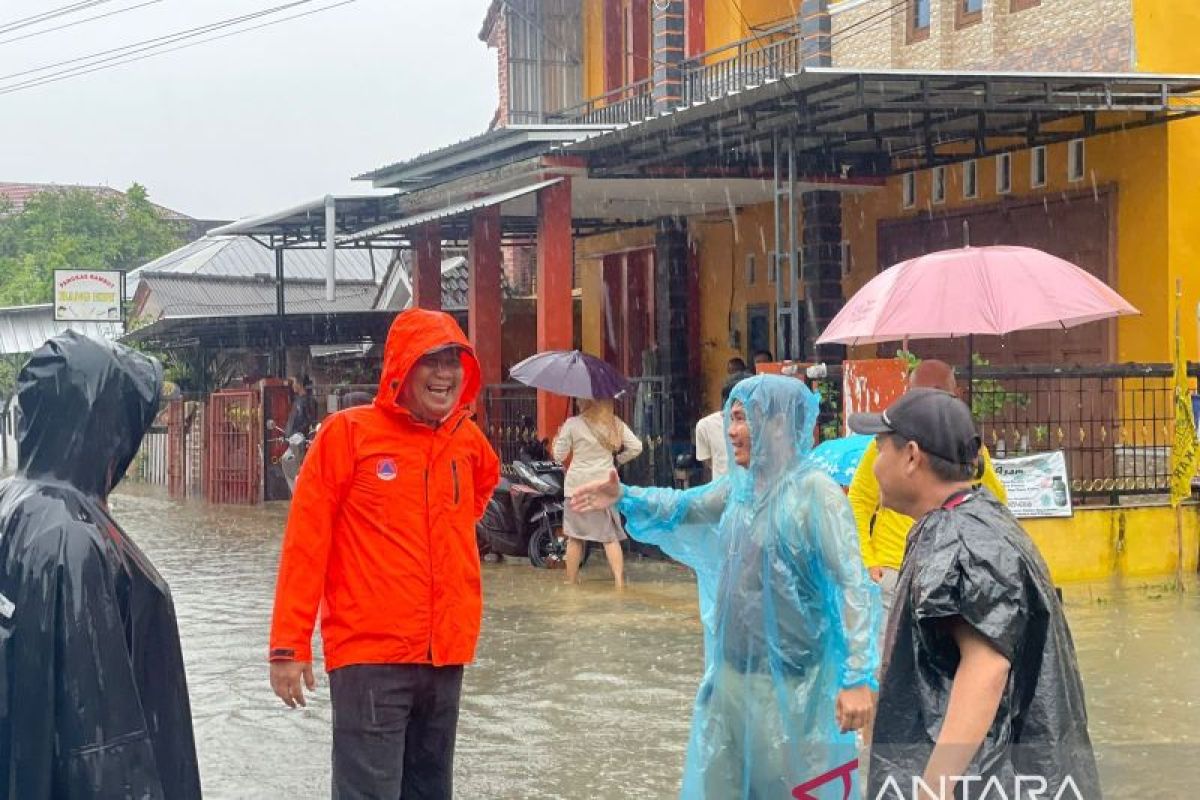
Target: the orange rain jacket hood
pixel 381 532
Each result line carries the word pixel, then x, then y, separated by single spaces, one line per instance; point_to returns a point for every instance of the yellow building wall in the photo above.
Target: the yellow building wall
pixel 593 48
pixel 1133 162
pixel 1103 542
pixel 1164 38
pixel 723 247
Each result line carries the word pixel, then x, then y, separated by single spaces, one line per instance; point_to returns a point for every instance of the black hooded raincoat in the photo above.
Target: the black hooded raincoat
pixel 93 699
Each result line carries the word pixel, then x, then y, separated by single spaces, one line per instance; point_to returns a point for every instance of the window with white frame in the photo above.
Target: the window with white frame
pixel 1004 173
pixel 970 179
pixel 939 185
pixel 1075 160
pixel 908 190
pixel 1037 167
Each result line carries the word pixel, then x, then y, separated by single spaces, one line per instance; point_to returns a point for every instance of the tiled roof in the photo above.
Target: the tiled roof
pixel 18 194
pixel 396 292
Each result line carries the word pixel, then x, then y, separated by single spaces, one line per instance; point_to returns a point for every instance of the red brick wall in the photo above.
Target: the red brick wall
pixel 499 40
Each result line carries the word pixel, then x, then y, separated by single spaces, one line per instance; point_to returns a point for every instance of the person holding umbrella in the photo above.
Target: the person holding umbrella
pixel 592 441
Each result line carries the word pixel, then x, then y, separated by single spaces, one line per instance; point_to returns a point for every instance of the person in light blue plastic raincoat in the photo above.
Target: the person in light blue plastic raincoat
pixel 790 616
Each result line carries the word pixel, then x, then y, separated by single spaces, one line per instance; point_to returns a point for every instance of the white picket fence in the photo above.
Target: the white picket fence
pixel 152 460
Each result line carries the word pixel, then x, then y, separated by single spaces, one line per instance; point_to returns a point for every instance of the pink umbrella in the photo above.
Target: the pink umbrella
pixel 973 290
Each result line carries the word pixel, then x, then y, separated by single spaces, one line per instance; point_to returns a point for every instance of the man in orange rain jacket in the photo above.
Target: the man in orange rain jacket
pixel 381 534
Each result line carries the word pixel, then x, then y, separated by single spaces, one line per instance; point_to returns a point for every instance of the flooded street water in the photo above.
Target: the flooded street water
pixel 581 693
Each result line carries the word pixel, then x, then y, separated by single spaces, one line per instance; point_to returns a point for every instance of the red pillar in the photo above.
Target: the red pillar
pixel 555 317
pixel 427 269
pixel 483 296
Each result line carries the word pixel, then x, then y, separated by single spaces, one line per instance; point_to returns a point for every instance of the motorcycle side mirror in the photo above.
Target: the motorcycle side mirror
pixel 270 424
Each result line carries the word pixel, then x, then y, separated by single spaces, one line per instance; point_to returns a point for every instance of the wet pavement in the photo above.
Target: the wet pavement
pixel 579 692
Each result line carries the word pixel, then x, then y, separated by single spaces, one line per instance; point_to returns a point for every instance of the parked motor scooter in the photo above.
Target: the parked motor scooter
pixel 525 515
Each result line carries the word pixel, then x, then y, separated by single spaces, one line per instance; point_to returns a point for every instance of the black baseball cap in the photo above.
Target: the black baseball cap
pixel 937 421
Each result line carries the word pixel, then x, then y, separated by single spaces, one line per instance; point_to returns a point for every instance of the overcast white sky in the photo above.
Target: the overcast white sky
pixel 251 123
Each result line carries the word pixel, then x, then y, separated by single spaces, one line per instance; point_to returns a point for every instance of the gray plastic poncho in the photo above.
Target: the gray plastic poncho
pixel 790 616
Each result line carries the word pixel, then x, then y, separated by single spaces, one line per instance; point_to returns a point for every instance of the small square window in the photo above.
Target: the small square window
pixel 918 20
pixel 751 269
pixel 908 190
pixel 971 180
pixel 1004 173
pixel 967 12
pixel 1075 160
pixel 939 185
pixel 1037 167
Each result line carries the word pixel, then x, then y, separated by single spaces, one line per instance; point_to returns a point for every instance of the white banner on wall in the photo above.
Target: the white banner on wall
pixel 82 295
pixel 1037 485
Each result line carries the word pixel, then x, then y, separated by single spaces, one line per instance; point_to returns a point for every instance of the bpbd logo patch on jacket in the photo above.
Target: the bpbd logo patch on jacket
pixel 385 470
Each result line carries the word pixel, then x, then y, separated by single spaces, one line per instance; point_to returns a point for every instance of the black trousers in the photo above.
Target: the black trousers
pixel 393 731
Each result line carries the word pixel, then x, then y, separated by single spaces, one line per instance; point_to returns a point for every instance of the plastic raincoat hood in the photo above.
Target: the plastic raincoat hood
pixel 93 697
pixel 790 616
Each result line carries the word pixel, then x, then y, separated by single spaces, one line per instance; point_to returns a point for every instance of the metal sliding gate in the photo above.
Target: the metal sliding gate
pixel 234 463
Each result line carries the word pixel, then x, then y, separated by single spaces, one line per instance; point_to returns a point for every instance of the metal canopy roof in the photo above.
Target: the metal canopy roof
pixel 263 332
pixel 457 209
pixel 176 296
pixel 876 123
pixel 493 148
pixel 24 329
pixel 305 223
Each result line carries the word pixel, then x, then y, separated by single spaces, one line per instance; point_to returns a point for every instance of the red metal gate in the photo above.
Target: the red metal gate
pixel 234 463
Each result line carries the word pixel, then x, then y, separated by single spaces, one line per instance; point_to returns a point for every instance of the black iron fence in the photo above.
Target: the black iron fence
pixel 768 55
pixel 1114 423
pixel 510 410
pixel 738 65
pixel 511 426
pixel 647 410
pixel 631 103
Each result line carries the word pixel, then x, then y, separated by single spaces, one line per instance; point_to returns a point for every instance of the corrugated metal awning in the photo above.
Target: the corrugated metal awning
pixel 24 329
pixel 305 223
pixel 454 210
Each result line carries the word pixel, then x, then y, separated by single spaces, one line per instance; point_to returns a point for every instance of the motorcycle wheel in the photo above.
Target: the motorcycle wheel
pixel 548 548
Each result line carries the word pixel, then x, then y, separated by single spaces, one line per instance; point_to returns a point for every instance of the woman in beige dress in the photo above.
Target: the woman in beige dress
pixel 593 440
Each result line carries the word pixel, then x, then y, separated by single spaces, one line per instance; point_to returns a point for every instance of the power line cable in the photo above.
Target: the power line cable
pixel 871 19
pixel 874 22
pixel 65 25
pixel 148 44
pixel 129 58
pixel 45 16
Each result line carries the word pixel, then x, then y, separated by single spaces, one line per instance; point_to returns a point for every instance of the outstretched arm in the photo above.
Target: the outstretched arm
pixel 682 523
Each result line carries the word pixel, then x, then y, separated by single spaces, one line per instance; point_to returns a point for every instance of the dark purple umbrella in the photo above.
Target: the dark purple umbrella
pixel 570 373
